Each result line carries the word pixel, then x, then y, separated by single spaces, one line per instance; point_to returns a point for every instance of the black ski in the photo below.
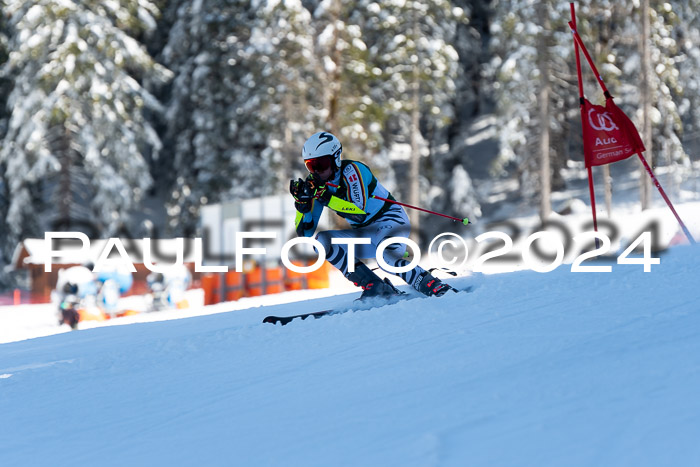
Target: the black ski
pixel 286 319
pixel 362 306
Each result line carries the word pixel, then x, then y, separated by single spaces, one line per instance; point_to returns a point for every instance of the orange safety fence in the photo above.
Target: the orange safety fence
pixel 295 280
pixel 211 283
pixel 256 285
pixel 318 279
pixel 251 283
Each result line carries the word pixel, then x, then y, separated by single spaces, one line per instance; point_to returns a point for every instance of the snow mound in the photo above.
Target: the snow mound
pixel 558 368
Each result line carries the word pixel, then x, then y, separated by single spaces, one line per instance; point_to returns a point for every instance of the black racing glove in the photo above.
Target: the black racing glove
pixel 303 195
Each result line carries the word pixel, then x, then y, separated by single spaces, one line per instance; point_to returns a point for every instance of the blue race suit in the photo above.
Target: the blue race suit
pixel 356 183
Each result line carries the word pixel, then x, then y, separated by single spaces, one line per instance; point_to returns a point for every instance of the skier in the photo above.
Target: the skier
pixel 348 187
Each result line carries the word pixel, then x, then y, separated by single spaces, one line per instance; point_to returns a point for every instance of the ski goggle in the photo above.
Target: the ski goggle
pixel 320 164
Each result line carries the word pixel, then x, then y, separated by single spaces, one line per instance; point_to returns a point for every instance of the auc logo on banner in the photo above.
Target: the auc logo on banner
pixel 605 121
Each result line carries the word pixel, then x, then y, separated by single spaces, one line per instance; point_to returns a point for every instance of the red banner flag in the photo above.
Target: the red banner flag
pixel 608 134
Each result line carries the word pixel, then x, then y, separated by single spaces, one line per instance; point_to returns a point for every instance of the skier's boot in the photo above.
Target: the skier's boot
pixel 372 285
pixel 429 285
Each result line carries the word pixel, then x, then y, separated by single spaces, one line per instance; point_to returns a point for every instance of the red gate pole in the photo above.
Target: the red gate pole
pixel 591 188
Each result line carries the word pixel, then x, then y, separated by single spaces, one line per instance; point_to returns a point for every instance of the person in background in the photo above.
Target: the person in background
pixel 76 289
pixel 113 283
pixel 168 289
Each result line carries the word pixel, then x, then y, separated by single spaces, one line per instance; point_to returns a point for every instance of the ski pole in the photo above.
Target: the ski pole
pixel 464 221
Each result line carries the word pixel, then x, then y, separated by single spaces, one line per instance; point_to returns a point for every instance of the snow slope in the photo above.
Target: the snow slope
pixel 555 369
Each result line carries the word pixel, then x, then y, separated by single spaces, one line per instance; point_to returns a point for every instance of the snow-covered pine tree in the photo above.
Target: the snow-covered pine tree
pixel 687 36
pixel 471 102
pixel 471 43
pixel 212 155
pixel 411 45
pixel 75 149
pixel 345 69
pixel 253 80
pixel 529 59
pixel 5 86
pixel 240 104
pixel 281 59
pixel 5 83
pixel 667 88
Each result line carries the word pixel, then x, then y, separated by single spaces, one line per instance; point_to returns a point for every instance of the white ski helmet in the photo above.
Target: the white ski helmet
pixel 322 150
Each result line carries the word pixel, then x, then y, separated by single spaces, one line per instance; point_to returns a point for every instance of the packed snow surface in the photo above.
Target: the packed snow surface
pixel 556 368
